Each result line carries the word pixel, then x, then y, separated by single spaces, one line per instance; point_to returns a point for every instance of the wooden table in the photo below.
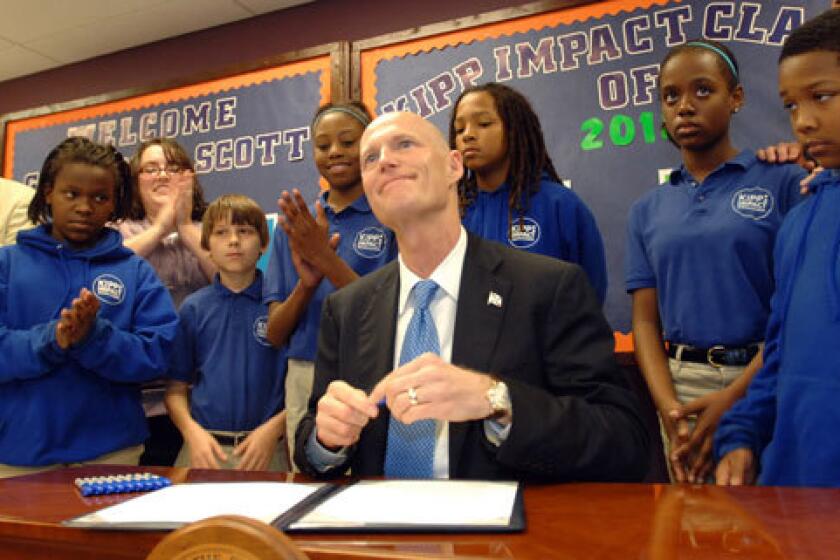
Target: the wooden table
pixel 591 521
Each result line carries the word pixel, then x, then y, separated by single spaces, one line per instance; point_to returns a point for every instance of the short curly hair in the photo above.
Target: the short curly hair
pixel 819 34
pixel 78 149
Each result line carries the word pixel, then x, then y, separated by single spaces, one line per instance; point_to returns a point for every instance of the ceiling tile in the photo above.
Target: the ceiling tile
pixel 34 19
pixel 4 44
pixel 148 25
pixel 265 6
pixel 71 31
pixel 19 61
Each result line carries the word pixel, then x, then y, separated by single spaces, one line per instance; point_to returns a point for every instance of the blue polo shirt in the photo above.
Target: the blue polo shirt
pixel 556 223
pixel 707 249
pixel 238 376
pixel 365 245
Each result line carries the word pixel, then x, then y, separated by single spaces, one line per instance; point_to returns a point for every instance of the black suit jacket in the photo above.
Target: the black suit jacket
pixel 574 418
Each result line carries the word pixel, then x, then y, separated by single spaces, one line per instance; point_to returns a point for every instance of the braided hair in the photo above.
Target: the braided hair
pixel 78 149
pixel 526 150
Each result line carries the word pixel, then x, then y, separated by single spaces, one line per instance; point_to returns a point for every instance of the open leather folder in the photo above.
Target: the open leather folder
pixel 361 506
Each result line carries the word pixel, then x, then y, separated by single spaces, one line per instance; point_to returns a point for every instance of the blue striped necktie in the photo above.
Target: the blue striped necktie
pixel 410 449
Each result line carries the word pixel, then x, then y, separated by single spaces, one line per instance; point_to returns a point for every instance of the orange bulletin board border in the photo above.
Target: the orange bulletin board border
pixel 331 59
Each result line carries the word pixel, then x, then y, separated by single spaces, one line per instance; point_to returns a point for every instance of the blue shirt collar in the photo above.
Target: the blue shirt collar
pixel 828 178
pixel 359 205
pixel 744 159
pixel 254 291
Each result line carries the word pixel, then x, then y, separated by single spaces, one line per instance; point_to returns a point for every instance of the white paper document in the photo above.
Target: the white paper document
pixel 185 503
pixel 415 502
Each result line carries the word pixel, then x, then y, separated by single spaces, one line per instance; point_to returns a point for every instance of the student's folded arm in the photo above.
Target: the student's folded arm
pixel 29 353
pixel 141 354
pixel 25 353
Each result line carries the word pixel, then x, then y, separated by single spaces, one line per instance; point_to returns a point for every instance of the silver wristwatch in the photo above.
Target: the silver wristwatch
pixel 499 398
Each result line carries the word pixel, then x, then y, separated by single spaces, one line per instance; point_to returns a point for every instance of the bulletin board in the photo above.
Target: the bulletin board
pixel 590 70
pixel 247 128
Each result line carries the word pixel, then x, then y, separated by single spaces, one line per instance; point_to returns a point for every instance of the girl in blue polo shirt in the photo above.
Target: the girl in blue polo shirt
pixel 319 250
pixel 83 321
pixel 698 261
pixel 511 192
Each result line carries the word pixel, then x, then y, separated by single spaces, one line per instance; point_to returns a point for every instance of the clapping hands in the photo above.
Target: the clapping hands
pixel 76 321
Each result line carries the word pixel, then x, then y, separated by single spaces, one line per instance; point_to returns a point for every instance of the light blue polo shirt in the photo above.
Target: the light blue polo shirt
pixel 238 376
pixel 707 249
pixel 365 245
pixel 556 223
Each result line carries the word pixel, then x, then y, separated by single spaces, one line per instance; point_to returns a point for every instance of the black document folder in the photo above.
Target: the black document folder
pixel 382 506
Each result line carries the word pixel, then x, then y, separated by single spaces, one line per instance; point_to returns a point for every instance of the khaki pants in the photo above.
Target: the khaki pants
pixel 299 377
pixel 127 456
pixel 279 462
pixel 692 381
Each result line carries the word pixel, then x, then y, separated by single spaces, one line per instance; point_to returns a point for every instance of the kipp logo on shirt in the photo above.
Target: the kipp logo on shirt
pixel 524 233
pixel 753 202
pixel 370 242
pixel 108 289
pixel 261 330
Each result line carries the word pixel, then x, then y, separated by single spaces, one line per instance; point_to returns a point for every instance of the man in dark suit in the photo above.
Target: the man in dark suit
pixel 525 385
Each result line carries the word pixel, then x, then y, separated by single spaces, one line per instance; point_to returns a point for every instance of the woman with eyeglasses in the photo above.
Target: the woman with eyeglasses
pixel 164 224
pixel 164 227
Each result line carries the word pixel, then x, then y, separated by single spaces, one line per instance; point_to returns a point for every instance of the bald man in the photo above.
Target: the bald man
pixel 523 385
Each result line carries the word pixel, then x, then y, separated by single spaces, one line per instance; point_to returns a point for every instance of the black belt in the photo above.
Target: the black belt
pixel 716 355
pixel 232 441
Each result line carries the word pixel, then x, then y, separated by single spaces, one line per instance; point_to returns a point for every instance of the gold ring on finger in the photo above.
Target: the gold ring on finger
pixel 412 396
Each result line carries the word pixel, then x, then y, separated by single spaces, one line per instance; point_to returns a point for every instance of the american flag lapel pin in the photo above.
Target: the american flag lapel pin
pixel 494 299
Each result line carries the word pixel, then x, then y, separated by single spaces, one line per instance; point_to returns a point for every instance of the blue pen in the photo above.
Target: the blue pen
pixel 137 482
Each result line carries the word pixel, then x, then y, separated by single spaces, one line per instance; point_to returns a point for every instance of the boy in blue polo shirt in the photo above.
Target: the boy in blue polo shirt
pixel 319 250
pixel 784 431
pixel 233 417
